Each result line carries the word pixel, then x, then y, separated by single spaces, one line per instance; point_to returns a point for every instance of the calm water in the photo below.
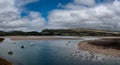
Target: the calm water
pixel 52 52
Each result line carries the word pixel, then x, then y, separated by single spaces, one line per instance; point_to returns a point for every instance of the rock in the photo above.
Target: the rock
pixel 68 41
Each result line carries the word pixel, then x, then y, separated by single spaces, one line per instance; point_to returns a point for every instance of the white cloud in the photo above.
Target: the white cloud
pixel 60 5
pixel 7 6
pixel 24 2
pixel 33 22
pixel 104 16
pixel 36 21
pixel 10 18
pixel 73 6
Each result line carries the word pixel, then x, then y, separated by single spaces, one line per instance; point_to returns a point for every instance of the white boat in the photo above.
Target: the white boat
pixel 32 44
pixel 10 52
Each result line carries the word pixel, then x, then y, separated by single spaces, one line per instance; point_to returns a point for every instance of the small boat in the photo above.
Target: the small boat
pixel 10 52
pixel 31 44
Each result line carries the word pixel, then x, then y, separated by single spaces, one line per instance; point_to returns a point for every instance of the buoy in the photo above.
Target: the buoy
pixel 10 52
pixel 68 41
pixel 22 46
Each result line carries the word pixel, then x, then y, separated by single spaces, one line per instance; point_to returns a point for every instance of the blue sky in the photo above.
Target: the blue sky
pixel 44 6
pixel 36 15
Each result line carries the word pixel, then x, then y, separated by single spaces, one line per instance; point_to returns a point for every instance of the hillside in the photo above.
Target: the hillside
pixel 62 32
pixel 79 32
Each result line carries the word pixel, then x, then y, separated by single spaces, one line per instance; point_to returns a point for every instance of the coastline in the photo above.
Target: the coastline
pixel 106 46
pixel 55 37
pixel 42 37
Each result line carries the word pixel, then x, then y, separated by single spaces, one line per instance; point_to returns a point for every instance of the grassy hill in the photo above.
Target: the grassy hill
pixel 79 32
pixel 63 32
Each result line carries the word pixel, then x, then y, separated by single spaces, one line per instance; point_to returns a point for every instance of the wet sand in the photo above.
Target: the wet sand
pixel 106 46
pixel 41 38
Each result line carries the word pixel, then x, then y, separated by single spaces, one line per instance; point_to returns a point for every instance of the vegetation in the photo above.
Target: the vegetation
pixel 62 32
pixel 79 32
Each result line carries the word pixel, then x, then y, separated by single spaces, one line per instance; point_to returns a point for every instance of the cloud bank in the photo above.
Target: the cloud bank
pixel 10 16
pixel 104 16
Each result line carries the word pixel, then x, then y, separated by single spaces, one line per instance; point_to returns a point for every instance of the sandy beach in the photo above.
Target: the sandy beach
pixel 52 37
pixel 106 46
pixel 42 38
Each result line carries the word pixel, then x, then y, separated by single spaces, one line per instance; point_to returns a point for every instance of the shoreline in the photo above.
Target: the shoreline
pixel 106 46
pixel 42 37
pixel 55 37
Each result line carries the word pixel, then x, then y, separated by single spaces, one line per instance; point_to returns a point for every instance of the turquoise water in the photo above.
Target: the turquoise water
pixel 52 52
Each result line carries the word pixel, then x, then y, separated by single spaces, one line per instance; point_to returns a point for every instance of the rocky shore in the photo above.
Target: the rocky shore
pixel 106 46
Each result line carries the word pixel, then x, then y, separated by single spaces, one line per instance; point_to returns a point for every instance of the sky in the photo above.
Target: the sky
pixel 36 15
